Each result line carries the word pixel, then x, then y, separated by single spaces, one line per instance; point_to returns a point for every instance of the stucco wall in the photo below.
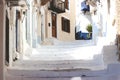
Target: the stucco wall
pixel 49 22
pixel 118 15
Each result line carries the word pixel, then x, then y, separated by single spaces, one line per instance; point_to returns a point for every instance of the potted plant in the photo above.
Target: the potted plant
pixel 89 29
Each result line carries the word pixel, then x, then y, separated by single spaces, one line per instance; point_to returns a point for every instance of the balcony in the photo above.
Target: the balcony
pixel 22 3
pixel 57 6
pixel 43 2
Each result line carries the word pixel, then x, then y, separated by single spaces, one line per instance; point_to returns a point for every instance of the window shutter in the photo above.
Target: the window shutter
pixel 62 23
pixel 66 4
pixel 18 15
pixel 65 25
pixel 68 25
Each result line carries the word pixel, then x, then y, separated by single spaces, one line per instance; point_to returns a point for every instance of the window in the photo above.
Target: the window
pixel 65 25
pixel 66 4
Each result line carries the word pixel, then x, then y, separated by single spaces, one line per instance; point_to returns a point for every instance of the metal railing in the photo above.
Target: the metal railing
pixel 57 6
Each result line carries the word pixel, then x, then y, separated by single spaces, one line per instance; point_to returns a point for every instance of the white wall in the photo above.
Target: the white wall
pixel 111 29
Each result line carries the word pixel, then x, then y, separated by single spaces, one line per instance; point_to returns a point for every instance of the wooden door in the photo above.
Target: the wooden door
pixel 54 28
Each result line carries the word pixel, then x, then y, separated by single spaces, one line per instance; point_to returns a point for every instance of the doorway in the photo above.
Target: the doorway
pixel 54 27
pixel 7 39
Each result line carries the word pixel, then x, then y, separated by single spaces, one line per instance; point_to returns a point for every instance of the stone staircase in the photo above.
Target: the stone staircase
pixel 58 65
pixel 75 50
pixel 75 42
pixel 64 53
pixel 111 73
pixel 56 59
pixel 64 56
pixel 62 62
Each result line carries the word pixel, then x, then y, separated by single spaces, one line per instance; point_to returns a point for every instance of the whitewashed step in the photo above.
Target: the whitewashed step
pixel 113 69
pixel 61 63
pixel 80 53
pixel 78 42
pixel 55 74
pixel 111 73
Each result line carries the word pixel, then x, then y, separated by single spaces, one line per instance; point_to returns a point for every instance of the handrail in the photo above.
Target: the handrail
pixel 61 5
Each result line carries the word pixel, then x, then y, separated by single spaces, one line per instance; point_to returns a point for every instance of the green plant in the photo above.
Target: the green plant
pixel 89 28
pixel 88 35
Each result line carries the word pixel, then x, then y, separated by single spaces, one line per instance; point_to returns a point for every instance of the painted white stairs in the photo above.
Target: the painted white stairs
pixel 111 73
pixel 47 63
pixel 64 56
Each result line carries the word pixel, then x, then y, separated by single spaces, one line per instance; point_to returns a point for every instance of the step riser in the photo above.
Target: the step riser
pixel 56 74
pixel 64 73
